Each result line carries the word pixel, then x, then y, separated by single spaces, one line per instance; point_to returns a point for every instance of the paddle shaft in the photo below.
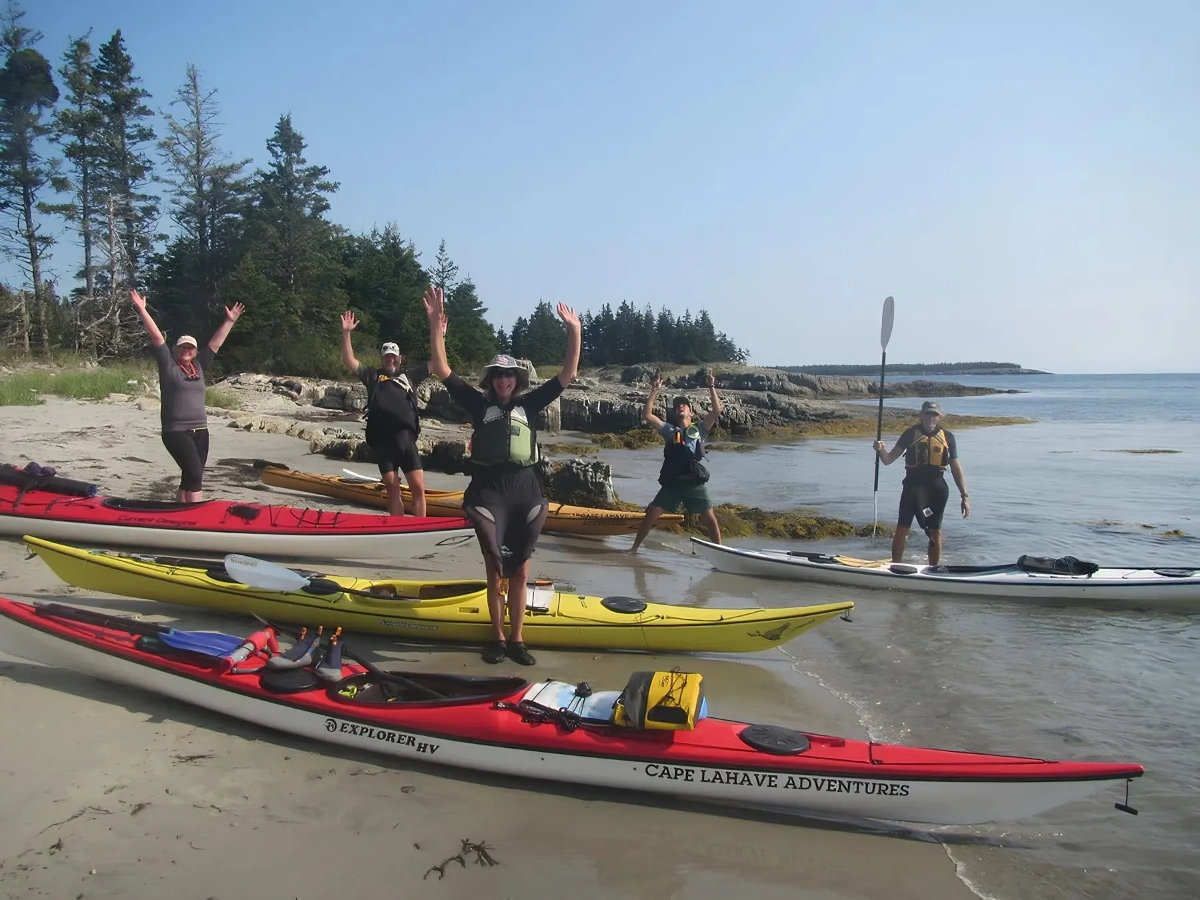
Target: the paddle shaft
pixel 885 335
pixel 879 419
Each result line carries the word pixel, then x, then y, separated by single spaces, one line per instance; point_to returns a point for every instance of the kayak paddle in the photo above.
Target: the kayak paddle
pixel 351 475
pixel 885 335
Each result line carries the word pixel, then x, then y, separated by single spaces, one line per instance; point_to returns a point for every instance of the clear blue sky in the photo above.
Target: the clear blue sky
pixel 1023 177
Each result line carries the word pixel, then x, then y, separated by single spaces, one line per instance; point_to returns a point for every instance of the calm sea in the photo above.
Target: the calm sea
pixel 1007 676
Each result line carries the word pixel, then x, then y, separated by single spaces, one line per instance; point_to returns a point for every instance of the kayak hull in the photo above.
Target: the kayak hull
pixel 562 518
pixel 832 776
pixel 454 611
pixel 1132 587
pixel 222 526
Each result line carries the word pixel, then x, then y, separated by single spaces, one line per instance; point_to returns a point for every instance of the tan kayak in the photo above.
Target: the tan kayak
pixel 563 519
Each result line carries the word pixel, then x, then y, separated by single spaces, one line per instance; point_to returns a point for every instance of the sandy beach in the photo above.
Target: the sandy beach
pixel 109 791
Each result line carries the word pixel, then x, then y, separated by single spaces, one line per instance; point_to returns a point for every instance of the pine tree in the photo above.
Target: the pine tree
pixel 124 169
pixel 470 340
pixel 77 129
pixel 291 273
pixel 444 270
pixel 27 90
pixel 208 195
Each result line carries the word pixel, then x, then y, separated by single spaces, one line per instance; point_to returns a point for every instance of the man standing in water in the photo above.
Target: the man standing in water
pixel 683 475
pixel 392 419
pixel 928 451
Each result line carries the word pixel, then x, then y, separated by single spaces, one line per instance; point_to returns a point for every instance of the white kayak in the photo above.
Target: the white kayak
pixel 1030 578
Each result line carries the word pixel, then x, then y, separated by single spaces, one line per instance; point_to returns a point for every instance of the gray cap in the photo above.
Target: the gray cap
pixel 930 406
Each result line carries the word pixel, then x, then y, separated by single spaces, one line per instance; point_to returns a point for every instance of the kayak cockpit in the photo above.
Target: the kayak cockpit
pixel 381 688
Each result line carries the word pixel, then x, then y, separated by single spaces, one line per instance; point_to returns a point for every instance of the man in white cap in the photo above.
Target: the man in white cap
pixel 393 422
pixel 928 450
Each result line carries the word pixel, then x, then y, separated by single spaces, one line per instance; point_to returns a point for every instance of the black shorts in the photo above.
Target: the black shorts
pixel 395 452
pixel 190 450
pixel 920 494
pixel 508 512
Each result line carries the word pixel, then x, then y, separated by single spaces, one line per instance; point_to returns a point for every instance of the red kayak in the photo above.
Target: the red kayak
pixel 655 735
pixel 64 512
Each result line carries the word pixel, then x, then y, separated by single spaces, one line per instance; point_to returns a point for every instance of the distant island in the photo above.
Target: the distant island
pixel 944 368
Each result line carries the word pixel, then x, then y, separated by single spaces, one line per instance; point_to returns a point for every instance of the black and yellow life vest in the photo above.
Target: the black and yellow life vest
pixel 504 437
pixel 928 450
pixel 678 457
pixel 410 396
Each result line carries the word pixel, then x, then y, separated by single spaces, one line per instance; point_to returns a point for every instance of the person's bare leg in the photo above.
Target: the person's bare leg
pixel 416 484
pixel 898 540
pixel 516 603
pixel 935 546
pixel 652 514
pixel 495 598
pixel 190 496
pixel 391 481
pixel 711 525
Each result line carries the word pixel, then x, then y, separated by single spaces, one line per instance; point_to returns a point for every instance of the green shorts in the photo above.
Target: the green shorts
pixel 692 494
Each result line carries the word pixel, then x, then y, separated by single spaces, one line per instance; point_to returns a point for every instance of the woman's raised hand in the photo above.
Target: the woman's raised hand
pixel 349 321
pixel 570 319
pixel 233 313
pixel 435 305
pixel 710 380
pixel 138 300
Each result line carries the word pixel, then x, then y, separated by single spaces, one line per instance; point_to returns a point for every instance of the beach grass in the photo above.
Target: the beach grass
pixel 30 387
pixel 221 399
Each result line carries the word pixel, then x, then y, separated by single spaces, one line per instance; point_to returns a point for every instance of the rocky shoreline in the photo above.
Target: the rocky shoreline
pixel 603 408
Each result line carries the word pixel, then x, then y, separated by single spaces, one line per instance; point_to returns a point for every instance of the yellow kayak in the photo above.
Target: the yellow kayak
pixel 562 519
pixel 434 610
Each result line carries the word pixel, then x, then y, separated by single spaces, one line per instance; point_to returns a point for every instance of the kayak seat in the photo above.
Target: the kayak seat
pixel 218 573
pixel 128 505
pixel 1176 573
pixel 774 739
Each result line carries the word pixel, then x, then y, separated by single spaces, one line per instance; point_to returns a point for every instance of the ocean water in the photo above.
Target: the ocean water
pixel 1007 675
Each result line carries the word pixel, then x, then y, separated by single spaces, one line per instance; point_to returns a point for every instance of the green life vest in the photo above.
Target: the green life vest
pixel 504 436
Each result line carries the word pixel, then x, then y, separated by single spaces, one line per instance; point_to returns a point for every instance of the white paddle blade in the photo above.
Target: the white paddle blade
pixel 358 476
pixel 262 574
pixel 889 313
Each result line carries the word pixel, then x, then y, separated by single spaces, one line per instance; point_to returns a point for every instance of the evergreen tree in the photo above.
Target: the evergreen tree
pixel 77 129
pixel 385 281
pixel 124 169
pixel 27 90
pixel 208 195
pixel 470 340
pixel 444 270
pixel 290 276
pixel 545 341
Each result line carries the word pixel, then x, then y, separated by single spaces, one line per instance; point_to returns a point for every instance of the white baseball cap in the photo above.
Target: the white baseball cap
pixel 390 348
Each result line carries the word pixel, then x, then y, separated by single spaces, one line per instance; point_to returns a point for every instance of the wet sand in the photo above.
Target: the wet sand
pixel 110 791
